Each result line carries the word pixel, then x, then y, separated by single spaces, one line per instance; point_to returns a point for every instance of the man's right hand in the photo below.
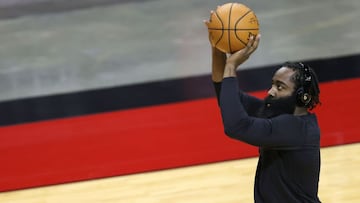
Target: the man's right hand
pixel 239 57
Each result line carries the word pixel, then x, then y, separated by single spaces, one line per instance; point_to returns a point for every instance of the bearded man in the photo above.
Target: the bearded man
pixel 281 125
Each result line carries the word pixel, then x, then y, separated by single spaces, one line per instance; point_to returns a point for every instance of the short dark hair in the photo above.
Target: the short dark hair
pixel 312 88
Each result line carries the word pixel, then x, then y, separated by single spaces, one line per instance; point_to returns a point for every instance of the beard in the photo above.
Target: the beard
pixel 275 107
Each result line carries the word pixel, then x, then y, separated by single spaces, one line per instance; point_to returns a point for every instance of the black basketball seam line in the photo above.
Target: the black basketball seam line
pixel 249 11
pixel 238 22
pixel 222 30
pixel 232 4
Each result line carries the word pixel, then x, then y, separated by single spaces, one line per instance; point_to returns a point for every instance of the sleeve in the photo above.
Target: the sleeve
pixel 217 87
pixel 251 103
pixel 283 130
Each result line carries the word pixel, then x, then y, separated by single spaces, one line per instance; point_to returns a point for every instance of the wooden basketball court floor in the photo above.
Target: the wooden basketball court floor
pixel 225 182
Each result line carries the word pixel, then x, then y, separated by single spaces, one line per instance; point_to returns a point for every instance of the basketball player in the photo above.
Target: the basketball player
pixel 281 125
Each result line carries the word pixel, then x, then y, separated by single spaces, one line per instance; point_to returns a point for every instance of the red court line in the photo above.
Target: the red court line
pixel 146 139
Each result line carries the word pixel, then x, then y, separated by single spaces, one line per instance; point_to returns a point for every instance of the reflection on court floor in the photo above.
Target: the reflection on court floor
pixel 222 182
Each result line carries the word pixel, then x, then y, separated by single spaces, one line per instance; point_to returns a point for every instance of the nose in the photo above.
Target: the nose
pixel 272 92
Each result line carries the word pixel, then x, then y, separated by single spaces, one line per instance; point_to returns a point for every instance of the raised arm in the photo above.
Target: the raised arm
pixel 219 61
pixel 218 65
pixel 238 124
pixel 283 130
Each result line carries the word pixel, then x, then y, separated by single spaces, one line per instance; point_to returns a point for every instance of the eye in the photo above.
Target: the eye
pixel 279 87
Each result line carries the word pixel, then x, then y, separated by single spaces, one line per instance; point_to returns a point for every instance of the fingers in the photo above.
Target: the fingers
pixel 252 44
pixel 257 41
pixel 206 22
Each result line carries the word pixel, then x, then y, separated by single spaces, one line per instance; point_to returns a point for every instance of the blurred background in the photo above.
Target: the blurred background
pixel 58 46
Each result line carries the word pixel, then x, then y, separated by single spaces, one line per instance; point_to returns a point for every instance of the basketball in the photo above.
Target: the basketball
pixel 231 25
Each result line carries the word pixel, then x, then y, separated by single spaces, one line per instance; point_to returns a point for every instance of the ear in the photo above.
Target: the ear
pixel 306 98
pixel 302 98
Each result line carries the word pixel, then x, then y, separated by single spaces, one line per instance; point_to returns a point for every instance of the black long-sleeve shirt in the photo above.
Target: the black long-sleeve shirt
pixel 289 162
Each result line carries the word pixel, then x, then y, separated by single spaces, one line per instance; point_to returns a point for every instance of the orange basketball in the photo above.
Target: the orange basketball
pixel 231 26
